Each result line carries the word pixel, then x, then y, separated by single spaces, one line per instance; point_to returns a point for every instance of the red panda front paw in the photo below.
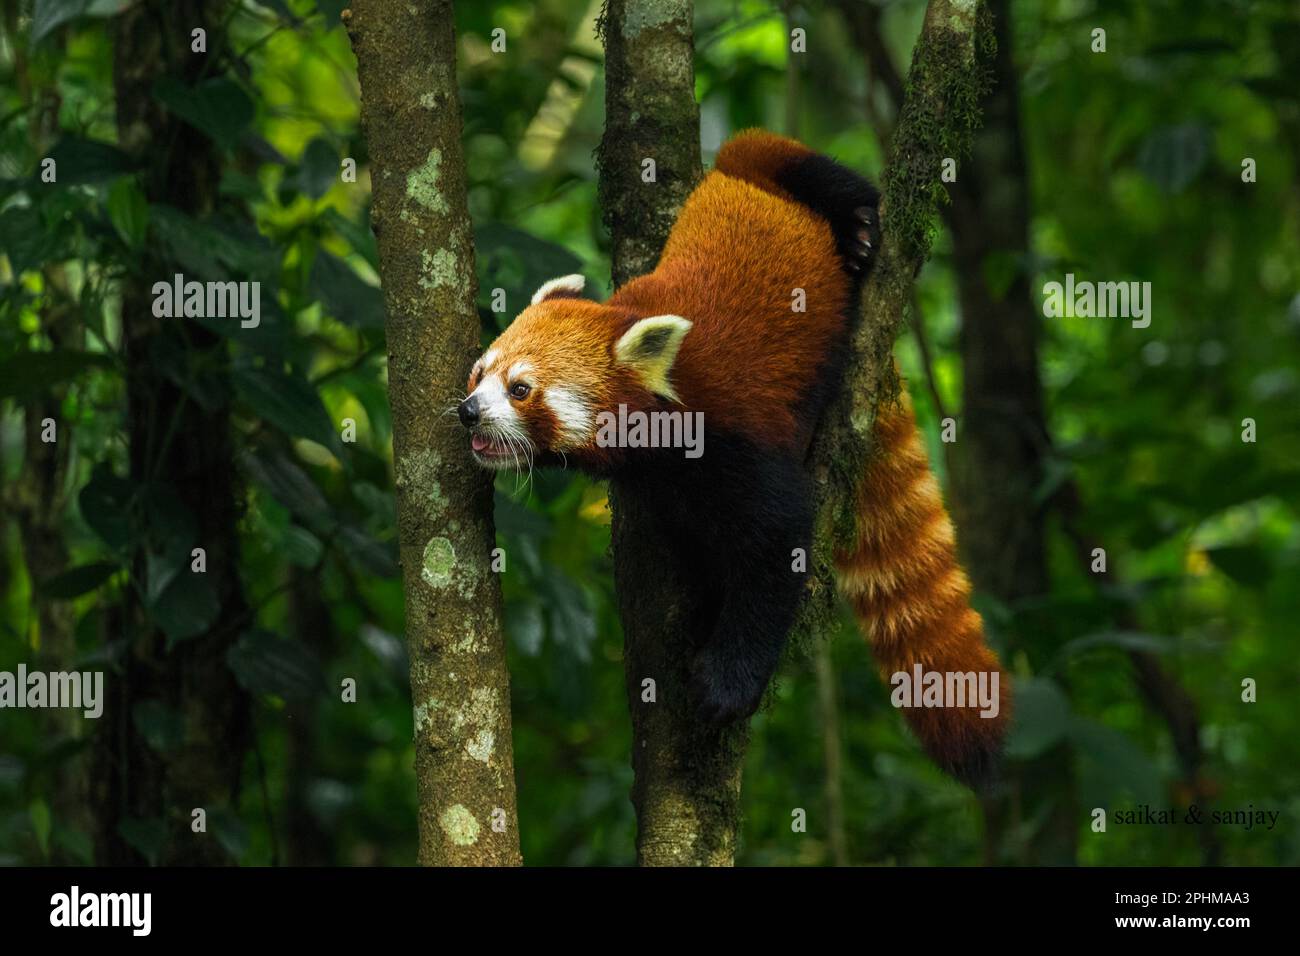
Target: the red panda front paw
pixel 723 691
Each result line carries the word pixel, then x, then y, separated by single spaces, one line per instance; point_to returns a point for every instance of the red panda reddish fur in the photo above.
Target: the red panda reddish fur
pixel 772 222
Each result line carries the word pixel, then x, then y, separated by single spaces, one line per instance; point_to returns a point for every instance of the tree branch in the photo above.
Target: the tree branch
pixel 940 111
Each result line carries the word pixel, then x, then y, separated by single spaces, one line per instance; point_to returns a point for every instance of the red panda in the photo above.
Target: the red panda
pixel 714 332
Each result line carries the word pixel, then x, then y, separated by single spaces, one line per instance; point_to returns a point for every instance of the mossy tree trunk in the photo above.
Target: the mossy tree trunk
pixel 410 109
pixel 687 780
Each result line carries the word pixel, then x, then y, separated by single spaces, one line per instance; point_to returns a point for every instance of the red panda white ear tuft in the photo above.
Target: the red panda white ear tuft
pixel 650 348
pixel 565 287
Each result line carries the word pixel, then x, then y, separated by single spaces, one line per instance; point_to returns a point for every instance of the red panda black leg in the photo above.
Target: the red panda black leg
pixel 846 201
pixel 758 565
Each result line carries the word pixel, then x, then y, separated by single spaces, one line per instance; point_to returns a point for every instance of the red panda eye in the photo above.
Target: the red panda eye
pixel 519 390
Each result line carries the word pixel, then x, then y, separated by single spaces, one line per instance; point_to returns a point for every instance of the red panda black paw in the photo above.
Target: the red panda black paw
pixel 721 691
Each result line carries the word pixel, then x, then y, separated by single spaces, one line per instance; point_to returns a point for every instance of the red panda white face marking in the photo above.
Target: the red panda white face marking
pixel 574 417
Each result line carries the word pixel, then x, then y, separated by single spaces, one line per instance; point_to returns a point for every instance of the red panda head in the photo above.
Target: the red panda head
pixel 535 395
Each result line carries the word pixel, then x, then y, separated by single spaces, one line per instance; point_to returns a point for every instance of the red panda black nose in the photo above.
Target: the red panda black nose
pixel 468 412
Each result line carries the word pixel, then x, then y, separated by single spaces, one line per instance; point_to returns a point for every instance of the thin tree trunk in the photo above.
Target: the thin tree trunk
pixel 133 781
pixel 410 108
pixel 686 786
pixel 687 781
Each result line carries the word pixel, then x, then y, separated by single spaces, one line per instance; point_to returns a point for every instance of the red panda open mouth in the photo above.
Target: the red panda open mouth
pixel 491 451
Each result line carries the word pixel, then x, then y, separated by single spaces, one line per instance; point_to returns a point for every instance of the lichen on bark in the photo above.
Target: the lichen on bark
pixel 410 110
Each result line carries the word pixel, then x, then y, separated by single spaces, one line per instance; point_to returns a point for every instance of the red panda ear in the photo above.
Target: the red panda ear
pixel 565 287
pixel 650 348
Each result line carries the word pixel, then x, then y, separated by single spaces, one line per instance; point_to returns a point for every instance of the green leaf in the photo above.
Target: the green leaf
pixel 26 241
pixel 525 626
pixel 331 10
pixel 1173 156
pixel 368 554
pixel 1041 719
pixel 77 581
pixel 128 211
pixel 513 518
pixel 230 830
pixel 344 294
pixel 171 531
pixel 146 836
pixel 76 843
pixel 28 374
pixel 265 664
pixel 358 235
pixel 162 727
pixel 215 248
pixel 79 161
pixel 218 107
pixel 50 14
pixel 318 169
pixel 1125 640
pixel 105 505
pixel 571 620
pixel 378 502
pixel 301 547
pixel 519 262
pixel 161 568
pixel 187 607
pixel 1112 764
pixel 1247 565
pixel 287 401
pixel 290 485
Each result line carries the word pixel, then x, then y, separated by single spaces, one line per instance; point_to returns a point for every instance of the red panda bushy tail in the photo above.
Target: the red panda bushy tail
pixel 912 598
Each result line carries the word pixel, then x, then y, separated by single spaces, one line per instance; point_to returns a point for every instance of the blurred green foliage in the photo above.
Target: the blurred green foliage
pixel 1135 158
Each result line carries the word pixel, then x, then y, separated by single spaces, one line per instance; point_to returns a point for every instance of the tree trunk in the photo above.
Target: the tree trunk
pixel 410 109
pixel 686 788
pixel 135 783
pixel 687 781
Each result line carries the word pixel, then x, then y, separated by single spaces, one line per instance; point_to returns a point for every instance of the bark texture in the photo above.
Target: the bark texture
pixel 687 780
pixel 460 687
pixel 175 442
